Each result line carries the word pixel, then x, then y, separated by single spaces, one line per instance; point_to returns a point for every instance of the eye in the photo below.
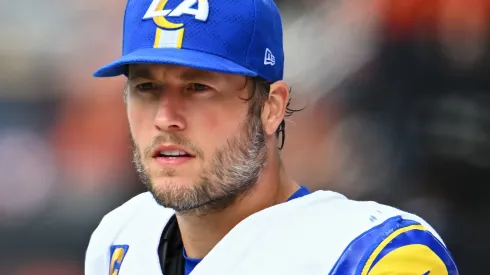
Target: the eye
pixel 197 87
pixel 146 87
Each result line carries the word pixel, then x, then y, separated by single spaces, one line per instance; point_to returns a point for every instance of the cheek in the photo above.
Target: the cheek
pixel 224 118
pixel 216 125
pixel 140 124
pixel 212 122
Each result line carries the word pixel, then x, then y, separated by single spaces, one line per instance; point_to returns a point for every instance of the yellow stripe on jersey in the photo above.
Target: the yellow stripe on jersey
pixel 382 245
pixel 396 247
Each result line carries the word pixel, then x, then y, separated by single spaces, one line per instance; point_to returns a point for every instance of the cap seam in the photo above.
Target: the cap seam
pixel 252 37
pixel 124 27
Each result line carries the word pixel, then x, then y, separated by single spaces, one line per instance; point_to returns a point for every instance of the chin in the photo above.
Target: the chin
pixel 169 184
pixel 174 192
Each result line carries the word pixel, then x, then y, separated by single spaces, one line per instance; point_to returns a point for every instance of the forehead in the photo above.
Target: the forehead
pixel 161 71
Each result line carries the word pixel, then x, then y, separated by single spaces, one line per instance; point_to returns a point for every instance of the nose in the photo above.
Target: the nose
pixel 169 117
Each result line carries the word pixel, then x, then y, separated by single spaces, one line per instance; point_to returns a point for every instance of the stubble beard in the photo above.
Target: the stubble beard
pixel 234 170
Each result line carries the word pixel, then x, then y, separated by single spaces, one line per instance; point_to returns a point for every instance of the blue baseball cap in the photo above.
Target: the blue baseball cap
pixel 228 36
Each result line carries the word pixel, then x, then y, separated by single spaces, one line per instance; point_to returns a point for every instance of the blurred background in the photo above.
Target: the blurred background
pixel 398 93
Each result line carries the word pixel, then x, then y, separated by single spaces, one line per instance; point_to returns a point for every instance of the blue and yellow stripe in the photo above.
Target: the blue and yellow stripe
pixel 397 246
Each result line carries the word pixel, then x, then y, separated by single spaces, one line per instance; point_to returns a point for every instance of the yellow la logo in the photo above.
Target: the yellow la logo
pixel 158 12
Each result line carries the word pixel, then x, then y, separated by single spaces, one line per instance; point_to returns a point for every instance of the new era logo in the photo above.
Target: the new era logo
pixel 269 58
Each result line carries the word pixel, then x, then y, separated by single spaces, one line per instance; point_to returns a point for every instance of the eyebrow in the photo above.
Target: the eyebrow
pixel 145 72
pixel 140 72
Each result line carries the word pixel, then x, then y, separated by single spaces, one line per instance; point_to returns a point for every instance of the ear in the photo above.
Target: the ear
pixel 275 107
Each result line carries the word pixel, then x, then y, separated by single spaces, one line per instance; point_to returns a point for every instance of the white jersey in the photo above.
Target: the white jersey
pixel 318 234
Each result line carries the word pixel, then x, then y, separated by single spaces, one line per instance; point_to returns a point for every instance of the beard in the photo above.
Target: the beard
pixel 232 172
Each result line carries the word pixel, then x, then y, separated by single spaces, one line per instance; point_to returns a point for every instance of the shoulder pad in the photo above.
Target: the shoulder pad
pixel 124 212
pixel 396 246
pixel 101 251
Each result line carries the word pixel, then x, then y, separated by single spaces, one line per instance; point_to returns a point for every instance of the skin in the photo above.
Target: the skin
pixel 236 168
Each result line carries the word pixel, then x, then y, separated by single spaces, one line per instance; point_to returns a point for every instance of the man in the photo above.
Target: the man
pixel 206 105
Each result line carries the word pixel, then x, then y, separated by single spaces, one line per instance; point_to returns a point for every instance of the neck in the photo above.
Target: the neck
pixel 200 233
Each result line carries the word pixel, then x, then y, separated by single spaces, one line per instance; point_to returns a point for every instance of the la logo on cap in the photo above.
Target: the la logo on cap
pixel 169 34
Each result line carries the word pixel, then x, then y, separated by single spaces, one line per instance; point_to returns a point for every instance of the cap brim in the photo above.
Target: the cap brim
pixel 182 57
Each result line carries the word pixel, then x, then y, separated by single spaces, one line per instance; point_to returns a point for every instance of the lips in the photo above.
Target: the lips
pixel 171 151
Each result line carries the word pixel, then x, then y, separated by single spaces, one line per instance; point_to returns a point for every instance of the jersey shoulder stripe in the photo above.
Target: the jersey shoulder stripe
pixel 396 246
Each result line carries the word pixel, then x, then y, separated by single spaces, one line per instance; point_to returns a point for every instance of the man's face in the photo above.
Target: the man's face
pixel 197 145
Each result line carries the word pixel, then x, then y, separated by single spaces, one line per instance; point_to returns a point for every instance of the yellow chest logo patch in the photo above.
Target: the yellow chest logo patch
pixel 118 252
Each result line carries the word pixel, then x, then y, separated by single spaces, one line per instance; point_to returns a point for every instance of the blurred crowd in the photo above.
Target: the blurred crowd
pixel 398 93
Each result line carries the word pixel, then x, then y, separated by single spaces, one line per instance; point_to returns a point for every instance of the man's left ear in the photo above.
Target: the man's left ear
pixel 275 107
